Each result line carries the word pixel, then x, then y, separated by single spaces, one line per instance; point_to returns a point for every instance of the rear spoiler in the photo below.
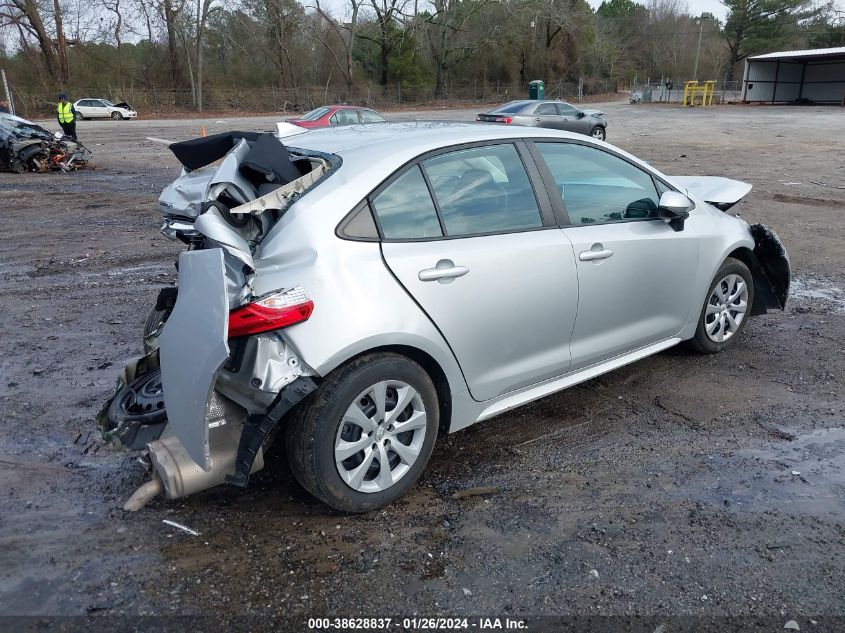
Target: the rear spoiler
pixel 722 193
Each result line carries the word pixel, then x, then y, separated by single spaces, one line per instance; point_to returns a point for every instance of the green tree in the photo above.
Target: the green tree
pixel 757 25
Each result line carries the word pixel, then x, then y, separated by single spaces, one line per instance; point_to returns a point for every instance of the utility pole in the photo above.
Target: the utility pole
pixel 698 50
pixel 8 92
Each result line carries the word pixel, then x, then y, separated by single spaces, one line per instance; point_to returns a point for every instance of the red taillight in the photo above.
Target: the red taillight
pixel 272 312
pixel 504 119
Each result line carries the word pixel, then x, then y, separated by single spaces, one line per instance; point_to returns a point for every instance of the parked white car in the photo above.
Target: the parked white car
pixel 104 109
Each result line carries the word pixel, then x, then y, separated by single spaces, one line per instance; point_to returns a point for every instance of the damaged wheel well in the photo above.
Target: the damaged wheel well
pixel 771 283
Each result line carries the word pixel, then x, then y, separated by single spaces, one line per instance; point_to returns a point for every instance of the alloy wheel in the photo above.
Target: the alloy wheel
pixel 380 436
pixel 726 308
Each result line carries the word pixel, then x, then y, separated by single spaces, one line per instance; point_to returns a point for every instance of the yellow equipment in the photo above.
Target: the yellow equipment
pixel 705 90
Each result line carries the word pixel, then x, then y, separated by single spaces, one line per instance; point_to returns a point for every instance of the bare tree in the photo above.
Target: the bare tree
pixel 345 33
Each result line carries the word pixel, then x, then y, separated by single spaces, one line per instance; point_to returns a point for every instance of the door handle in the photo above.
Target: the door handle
pixel 591 256
pixel 445 271
pixel 536 118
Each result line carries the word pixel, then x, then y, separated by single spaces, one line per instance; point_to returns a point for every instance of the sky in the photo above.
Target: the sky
pixel 696 7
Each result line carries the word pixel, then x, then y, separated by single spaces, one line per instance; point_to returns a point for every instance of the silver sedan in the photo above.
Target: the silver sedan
pixel 363 290
pixel 555 115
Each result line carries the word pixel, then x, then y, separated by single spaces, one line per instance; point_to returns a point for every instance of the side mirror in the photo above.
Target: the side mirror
pixel 674 208
pixel 581 115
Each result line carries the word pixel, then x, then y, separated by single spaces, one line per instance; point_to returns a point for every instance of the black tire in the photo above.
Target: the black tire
pixel 598 132
pixel 701 342
pixel 117 116
pixel 80 117
pixel 312 428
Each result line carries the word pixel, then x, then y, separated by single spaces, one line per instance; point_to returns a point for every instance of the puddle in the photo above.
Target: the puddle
pixel 814 290
pixel 805 476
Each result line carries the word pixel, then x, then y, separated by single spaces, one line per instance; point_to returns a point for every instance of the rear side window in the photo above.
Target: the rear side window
pixel 510 108
pixel 598 187
pixel 546 108
pixel 405 209
pixel 344 117
pixel 483 190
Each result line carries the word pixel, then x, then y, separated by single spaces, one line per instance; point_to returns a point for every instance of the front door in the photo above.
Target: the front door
pixel 634 270
pixel 483 263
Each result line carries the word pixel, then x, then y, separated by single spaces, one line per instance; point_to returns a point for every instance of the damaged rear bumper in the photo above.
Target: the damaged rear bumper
pixel 223 397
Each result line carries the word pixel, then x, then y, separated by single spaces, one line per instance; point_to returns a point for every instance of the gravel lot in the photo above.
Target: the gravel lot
pixel 682 485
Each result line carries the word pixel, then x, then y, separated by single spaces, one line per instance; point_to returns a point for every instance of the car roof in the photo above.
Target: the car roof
pixel 415 137
pixel 380 148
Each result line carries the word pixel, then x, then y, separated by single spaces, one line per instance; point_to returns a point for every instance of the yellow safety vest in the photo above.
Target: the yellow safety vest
pixel 65 113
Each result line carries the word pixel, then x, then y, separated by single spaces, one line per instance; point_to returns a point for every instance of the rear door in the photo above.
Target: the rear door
pixel 84 107
pixel 468 236
pixel 635 272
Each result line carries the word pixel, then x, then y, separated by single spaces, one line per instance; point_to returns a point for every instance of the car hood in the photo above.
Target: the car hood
pixel 596 113
pixel 720 192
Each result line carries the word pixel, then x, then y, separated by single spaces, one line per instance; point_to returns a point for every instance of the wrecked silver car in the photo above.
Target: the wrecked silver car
pixel 25 146
pixel 359 291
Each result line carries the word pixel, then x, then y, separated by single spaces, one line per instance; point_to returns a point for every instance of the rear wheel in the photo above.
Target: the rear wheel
pixel 598 132
pixel 726 309
pixel 363 438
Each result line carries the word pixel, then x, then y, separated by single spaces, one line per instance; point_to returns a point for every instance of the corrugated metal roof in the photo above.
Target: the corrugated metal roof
pixel 813 52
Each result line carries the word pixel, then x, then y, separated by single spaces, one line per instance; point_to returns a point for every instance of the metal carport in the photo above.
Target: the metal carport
pixel 810 76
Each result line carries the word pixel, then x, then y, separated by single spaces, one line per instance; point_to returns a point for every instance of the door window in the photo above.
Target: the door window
pixel 598 187
pixel 483 190
pixel 567 110
pixel 546 109
pixel 405 209
pixel 344 117
pixel 368 116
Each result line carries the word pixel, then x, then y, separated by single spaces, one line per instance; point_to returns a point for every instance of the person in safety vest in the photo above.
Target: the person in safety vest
pixel 66 114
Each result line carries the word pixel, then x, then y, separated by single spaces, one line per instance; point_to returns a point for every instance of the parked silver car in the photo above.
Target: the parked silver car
pixel 364 289
pixel 555 115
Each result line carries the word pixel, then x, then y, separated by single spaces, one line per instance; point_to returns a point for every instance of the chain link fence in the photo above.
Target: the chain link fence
pixel 157 101
pixel 673 92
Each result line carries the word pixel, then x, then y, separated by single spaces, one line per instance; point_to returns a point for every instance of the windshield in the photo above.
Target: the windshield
pixel 510 108
pixel 314 114
pixel 15 125
pixel 107 102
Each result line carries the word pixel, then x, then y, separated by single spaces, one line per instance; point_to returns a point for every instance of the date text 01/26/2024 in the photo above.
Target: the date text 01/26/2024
pixel 417 624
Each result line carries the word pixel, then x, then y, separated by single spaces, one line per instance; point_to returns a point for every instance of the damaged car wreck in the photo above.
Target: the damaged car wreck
pixel 352 293
pixel 25 146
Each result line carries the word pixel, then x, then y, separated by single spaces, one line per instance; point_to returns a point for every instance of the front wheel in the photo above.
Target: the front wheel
pixel 598 133
pixel 116 116
pixel 363 438
pixel 726 309
pixel 80 116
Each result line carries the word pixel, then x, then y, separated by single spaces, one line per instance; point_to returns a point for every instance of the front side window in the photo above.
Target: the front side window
pixel 598 187
pixel 567 110
pixel 405 210
pixel 483 190
pixel 368 116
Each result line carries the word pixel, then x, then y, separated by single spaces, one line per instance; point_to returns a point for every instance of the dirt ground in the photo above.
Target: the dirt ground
pixel 682 485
